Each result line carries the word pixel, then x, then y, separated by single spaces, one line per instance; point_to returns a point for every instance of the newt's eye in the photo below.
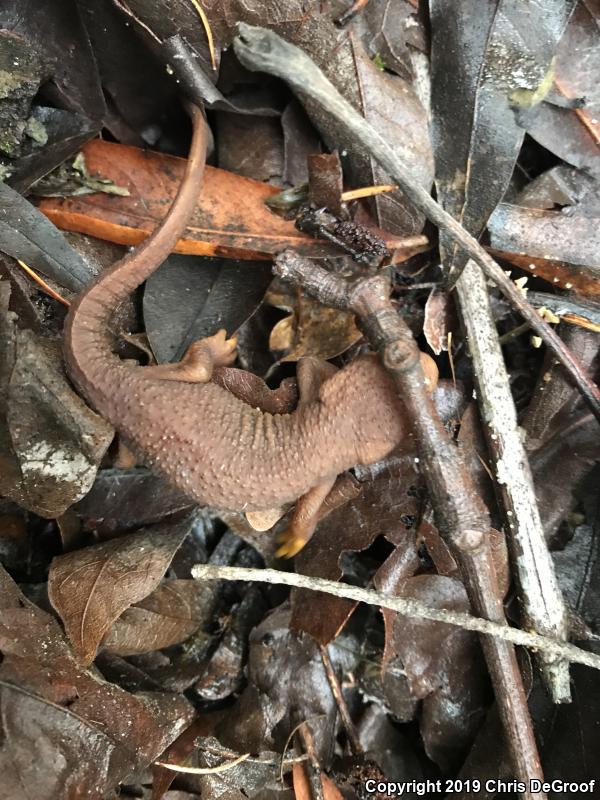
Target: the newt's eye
pixel 267 639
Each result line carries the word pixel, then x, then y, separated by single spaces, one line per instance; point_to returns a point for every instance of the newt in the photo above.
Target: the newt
pixel 214 447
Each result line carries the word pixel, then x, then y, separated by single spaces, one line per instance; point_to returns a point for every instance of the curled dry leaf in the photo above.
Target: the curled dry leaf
pixel 312 329
pixel 91 588
pixel 439 320
pixel 64 732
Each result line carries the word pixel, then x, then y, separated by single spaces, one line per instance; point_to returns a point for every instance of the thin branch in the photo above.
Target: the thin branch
pixel 265 51
pixel 340 700
pixel 540 595
pixel 402 605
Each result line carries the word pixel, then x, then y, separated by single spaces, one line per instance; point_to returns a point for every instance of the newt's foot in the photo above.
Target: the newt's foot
pixel 223 351
pixel 289 544
pixel 201 357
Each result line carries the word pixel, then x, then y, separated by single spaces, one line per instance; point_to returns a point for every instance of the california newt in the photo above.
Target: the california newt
pixel 213 446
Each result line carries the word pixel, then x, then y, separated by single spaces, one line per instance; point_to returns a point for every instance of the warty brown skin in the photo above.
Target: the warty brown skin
pixel 214 447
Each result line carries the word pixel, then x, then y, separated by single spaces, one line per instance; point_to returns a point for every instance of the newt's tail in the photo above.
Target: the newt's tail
pixel 87 345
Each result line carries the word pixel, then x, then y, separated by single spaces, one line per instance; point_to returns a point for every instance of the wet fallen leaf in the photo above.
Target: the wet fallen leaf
pixel 189 298
pixel 65 731
pixel 388 505
pixel 391 105
pixel 50 442
pixel 479 72
pixel 63 43
pixel 561 247
pixel 123 499
pixel 391 31
pixel 573 134
pixel 231 218
pixel 27 69
pixel 251 146
pixel 168 615
pixel 27 235
pixel 287 682
pixel 444 667
pixel 91 588
pixel 63 133
pixel 127 68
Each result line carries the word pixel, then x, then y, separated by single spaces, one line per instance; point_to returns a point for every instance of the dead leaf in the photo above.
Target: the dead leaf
pixel 444 667
pixel 168 615
pixel 231 219
pixel 91 588
pixel 391 105
pixel 50 441
pixel 560 247
pixel 27 235
pixel 573 134
pixel 479 73
pixel 439 320
pixel 189 298
pixel 120 500
pixel 312 329
pixel 65 732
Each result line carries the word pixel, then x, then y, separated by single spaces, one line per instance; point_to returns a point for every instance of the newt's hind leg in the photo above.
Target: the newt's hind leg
pixel 199 360
pixel 311 374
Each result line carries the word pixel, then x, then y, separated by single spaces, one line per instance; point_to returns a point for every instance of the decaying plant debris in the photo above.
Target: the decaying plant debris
pixel 389 175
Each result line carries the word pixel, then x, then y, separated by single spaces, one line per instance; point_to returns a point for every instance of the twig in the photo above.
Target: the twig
pixel 402 605
pixel 336 690
pixel 461 517
pixel 42 283
pixel 540 594
pixel 313 768
pixel 265 51
pixel 204 770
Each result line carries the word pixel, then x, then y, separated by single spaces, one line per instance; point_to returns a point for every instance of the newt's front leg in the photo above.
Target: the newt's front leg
pixel 199 361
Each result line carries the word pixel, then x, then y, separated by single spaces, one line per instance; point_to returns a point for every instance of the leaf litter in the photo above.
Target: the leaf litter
pixel 133 662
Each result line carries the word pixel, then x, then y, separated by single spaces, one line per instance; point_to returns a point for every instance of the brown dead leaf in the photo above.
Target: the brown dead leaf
pixel 561 248
pixel 65 733
pixel 121 500
pixel 167 616
pixel 91 588
pixel 312 329
pixel 439 320
pixel 231 219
